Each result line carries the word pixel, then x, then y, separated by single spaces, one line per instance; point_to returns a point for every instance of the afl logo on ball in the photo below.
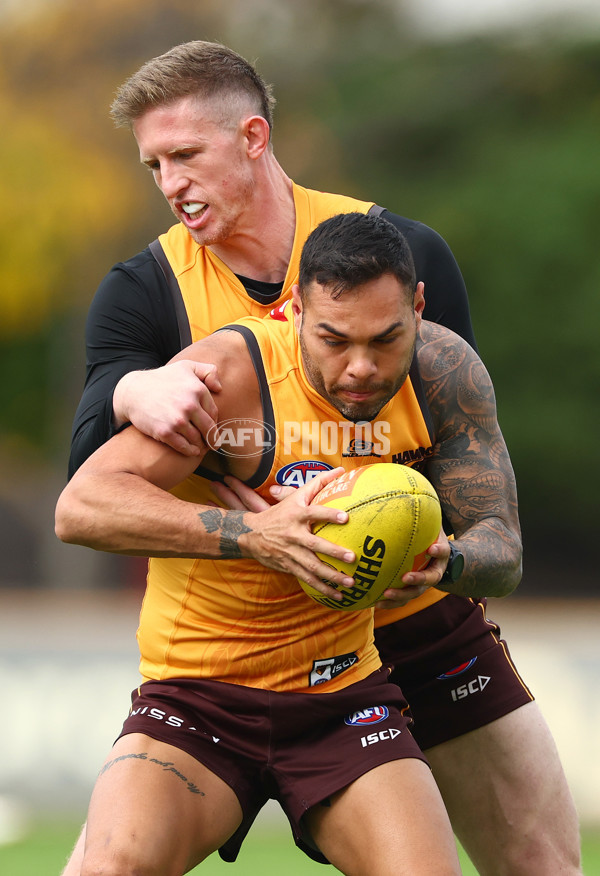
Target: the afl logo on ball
pixel 297 474
pixel 366 717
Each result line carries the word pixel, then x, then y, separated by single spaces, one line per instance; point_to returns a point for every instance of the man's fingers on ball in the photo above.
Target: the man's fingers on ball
pixel 322 586
pixel 332 577
pixel 336 551
pixel 326 576
pixel 395 597
pixel 326 514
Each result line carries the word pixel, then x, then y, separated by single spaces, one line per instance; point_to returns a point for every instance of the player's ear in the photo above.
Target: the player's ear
pixel 296 306
pixel 419 300
pixel 257 133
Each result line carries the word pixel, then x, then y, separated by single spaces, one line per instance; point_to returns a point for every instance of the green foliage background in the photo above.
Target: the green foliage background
pixel 493 142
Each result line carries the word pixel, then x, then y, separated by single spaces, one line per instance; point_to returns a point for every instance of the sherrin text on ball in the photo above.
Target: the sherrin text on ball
pixel 394 515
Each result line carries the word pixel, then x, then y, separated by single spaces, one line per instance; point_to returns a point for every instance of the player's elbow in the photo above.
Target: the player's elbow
pixel 511 581
pixel 62 522
pixel 512 571
pixel 69 520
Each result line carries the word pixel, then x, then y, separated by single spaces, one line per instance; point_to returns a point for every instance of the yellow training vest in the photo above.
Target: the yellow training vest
pixel 235 620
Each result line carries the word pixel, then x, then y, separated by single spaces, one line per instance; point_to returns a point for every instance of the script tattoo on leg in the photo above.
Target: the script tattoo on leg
pixel 167 766
pixel 230 525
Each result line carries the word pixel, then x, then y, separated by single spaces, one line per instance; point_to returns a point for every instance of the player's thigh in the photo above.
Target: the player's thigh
pixel 389 822
pixel 506 793
pixel 156 809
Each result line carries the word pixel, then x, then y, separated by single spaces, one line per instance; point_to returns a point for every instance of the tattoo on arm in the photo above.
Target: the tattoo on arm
pixel 231 525
pixel 470 467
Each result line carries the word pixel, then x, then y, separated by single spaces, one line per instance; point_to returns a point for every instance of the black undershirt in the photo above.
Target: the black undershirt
pixel 258 290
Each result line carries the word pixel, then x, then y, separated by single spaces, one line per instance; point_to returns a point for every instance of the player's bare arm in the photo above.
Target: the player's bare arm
pixel 172 404
pixel 470 467
pixel 118 501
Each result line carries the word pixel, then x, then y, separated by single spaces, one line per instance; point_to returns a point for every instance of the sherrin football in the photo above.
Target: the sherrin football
pixel 394 515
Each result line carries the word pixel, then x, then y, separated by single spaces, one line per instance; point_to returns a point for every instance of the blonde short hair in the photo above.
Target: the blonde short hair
pixel 197 68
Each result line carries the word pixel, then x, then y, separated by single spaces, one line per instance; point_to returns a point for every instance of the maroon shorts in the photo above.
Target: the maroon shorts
pixel 453 667
pixel 294 747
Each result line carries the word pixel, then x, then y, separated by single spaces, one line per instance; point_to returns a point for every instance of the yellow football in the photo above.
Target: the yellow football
pixel 394 515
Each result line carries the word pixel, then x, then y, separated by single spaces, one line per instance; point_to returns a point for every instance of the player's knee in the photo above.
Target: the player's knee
pixel 540 853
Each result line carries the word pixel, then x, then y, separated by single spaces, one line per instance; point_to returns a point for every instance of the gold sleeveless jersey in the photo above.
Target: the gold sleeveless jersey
pixel 250 626
pixel 236 621
pixel 212 294
pixel 323 438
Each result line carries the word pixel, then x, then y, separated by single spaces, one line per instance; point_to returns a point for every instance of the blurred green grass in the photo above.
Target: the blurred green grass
pixel 266 852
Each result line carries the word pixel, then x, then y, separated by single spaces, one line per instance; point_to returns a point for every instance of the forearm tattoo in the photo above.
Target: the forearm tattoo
pixel 470 467
pixel 231 525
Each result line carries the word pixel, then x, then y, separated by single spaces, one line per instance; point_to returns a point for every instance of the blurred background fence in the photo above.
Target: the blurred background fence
pixel 486 128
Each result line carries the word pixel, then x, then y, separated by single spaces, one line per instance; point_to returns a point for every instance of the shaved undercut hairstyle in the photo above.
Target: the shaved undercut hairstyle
pixel 197 68
pixel 350 249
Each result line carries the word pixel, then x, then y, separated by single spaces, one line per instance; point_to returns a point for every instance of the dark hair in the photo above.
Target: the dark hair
pixel 352 248
pixel 194 68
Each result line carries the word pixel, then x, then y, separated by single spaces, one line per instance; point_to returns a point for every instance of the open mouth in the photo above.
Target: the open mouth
pixel 193 209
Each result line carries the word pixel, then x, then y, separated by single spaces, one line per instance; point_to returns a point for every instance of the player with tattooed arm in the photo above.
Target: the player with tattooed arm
pixel 202 116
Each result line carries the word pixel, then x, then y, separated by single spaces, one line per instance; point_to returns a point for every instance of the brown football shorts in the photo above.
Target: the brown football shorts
pixel 453 668
pixel 297 748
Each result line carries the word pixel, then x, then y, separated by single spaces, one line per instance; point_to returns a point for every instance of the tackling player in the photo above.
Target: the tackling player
pixel 252 690
pixel 202 116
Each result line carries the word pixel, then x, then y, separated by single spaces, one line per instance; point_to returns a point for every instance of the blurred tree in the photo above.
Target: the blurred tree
pixel 495 146
pixel 62 200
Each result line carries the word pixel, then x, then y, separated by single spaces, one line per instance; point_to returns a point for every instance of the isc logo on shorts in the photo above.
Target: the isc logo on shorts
pixel 366 717
pixel 476 685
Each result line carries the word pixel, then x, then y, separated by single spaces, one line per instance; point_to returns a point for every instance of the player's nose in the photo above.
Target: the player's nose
pixel 361 366
pixel 173 180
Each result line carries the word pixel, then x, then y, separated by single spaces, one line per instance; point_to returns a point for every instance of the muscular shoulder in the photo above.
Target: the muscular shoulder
pixel 227 350
pixel 141 272
pixel 132 307
pixel 438 346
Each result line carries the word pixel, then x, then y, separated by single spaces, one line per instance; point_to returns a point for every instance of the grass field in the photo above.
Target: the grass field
pixel 264 853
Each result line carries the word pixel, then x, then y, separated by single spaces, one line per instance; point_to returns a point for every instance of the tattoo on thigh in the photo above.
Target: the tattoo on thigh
pixel 168 766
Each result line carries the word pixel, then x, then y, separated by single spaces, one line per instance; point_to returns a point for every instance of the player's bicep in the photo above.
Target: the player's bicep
pixel 471 466
pixel 133 453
